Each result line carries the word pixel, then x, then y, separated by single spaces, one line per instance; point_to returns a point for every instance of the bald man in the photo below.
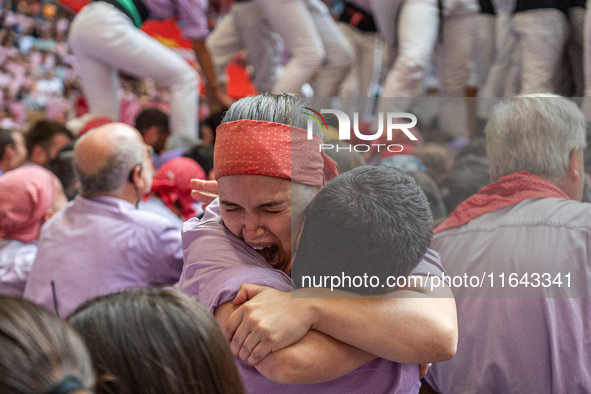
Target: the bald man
pixel 100 243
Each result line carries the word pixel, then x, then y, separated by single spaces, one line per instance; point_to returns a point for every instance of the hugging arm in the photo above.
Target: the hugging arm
pixel 314 358
pixel 411 326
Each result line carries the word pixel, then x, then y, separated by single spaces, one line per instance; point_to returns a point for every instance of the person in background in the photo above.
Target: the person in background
pixel 433 193
pixel 13 153
pixel 100 243
pixel 346 159
pixel 246 238
pixel 244 27
pixel 40 353
pixel 156 341
pixel 44 140
pixel 541 30
pixel 63 167
pixel 171 190
pixel 528 224
pixel 152 124
pixel 438 158
pixel 469 175
pixel 203 155
pixel 29 196
pixel 359 87
pixel 105 37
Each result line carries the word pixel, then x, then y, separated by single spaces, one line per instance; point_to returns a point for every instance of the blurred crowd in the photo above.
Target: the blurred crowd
pixel 102 205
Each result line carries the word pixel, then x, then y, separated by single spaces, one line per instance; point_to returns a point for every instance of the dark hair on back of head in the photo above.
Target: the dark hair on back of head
pixel 42 132
pixel 38 350
pixel 372 220
pixel 476 147
pixel 6 139
pixel 432 192
pixel 156 341
pixel 344 155
pixel 63 167
pixel 151 117
pixel 203 155
pixel 470 174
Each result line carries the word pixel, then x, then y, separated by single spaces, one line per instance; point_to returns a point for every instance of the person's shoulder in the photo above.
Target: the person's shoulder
pixel 58 218
pixel 429 264
pixel 534 212
pixel 209 225
pixel 554 211
pixel 118 210
pixel 150 220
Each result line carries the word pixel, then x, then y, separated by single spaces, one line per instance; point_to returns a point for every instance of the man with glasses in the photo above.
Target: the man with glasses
pixel 100 243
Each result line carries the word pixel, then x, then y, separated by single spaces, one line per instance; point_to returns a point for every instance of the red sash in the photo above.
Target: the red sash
pixel 509 190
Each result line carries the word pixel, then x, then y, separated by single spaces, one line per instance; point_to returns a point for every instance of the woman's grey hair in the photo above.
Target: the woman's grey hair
pixel 285 108
pixel 535 134
pixel 114 174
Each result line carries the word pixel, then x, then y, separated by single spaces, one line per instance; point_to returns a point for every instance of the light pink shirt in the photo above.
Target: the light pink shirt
pixel 539 340
pixel 101 245
pixel 217 263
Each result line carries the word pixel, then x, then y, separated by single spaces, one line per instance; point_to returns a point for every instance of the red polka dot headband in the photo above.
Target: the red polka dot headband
pixel 252 147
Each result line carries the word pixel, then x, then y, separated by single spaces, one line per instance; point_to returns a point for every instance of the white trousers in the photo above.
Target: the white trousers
pixel 361 81
pixel 541 37
pixel 504 48
pixel 586 104
pixel 576 18
pixel 484 51
pixel 587 58
pixel 315 43
pixel 411 33
pixel 244 27
pixel 105 41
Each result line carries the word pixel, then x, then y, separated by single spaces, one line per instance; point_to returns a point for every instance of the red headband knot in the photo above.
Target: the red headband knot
pixel 253 147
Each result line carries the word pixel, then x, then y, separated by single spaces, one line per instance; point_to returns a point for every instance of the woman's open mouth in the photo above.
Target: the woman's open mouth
pixel 269 253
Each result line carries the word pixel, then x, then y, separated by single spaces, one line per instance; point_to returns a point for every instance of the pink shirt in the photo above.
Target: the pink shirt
pixel 16 260
pixel 217 263
pixel 101 245
pixel 518 337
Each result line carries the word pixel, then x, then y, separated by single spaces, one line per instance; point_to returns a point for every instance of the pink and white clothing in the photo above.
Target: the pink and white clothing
pixel 411 31
pixel 105 40
pixel 359 87
pixel 102 245
pixel 16 261
pixel 538 344
pixel 26 194
pixel 217 263
pixel 245 27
